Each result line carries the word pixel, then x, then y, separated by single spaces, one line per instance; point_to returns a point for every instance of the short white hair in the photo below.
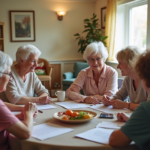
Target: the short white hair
pixel 5 61
pixel 130 55
pixel 25 50
pixel 95 47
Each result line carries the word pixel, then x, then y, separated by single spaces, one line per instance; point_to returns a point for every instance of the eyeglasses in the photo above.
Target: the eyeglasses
pixel 93 60
pixel 9 74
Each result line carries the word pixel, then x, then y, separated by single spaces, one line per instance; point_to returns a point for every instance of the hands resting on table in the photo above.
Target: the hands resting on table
pixel 123 117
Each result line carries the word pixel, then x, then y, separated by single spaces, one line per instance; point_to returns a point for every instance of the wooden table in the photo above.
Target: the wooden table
pixel 67 141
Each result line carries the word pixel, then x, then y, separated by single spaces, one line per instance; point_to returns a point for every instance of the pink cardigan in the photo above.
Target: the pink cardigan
pixel 107 85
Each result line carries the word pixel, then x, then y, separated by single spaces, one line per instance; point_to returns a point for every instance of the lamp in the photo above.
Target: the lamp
pixel 60 15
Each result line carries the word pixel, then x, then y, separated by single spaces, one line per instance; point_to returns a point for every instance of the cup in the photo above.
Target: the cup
pixel 60 95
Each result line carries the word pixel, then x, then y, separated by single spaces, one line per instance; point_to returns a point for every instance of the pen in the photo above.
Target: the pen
pixel 40 111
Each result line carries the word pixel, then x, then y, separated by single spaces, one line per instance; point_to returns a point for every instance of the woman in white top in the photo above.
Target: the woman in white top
pixel 132 85
pixel 25 83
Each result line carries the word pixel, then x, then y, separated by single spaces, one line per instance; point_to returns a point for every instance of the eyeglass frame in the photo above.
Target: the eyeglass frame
pixel 93 60
pixel 9 74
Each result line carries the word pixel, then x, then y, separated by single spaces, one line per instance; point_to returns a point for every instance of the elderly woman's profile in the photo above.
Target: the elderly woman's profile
pixel 10 123
pixel 25 83
pixel 98 80
pixel 132 85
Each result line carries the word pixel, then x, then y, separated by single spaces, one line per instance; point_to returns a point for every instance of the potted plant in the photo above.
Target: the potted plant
pixel 94 33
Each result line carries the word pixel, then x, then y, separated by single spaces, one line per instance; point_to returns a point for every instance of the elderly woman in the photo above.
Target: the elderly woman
pixel 97 80
pixel 132 85
pixel 137 127
pixel 25 82
pixel 8 122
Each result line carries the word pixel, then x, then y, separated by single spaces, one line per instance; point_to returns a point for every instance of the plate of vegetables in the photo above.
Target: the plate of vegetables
pixel 75 116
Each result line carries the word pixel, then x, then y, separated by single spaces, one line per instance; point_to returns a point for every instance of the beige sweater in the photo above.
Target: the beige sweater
pixel 127 89
pixel 16 88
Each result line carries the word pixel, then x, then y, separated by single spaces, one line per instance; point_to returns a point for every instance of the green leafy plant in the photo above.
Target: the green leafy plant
pixel 94 33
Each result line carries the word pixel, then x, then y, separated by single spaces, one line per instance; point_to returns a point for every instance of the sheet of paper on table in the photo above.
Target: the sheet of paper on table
pixel 15 112
pixel 108 109
pixel 48 130
pixel 111 125
pixel 45 106
pixel 72 105
pixel 98 135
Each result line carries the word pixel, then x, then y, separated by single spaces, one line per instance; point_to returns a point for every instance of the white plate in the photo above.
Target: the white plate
pixel 55 115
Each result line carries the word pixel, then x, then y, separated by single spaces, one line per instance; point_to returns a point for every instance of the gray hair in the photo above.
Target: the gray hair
pixel 130 55
pixel 5 61
pixel 95 47
pixel 25 50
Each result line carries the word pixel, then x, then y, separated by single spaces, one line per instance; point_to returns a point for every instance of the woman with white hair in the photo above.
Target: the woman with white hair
pixel 132 85
pixel 98 80
pixel 8 122
pixel 25 83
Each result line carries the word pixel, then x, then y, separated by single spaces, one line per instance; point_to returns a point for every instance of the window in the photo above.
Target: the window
pixel 138 26
pixel 131 25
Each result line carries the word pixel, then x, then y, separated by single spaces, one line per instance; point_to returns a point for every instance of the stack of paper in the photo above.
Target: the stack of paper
pixel 48 130
pixel 108 109
pixel 46 106
pixel 111 125
pixel 72 105
pixel 99 135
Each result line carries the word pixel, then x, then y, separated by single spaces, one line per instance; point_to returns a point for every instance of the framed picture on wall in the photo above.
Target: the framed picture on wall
pixel 103 17
pixel 22 26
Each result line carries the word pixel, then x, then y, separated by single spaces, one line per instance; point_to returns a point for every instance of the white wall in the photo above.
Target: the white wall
pixel 98 5
pixel 53 37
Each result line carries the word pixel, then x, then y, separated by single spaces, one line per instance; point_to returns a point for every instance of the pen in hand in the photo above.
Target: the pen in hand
pixel 40 111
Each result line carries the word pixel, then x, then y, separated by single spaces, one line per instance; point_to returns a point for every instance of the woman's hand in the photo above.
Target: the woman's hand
pixel 30 108
pixel 118 104
pixel 106 100
pixel 91 100
pixel 122 117
pixel 45 99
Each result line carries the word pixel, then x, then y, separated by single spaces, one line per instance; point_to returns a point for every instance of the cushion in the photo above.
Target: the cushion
pixel 40 69
pixel 78 66
pixel 68 81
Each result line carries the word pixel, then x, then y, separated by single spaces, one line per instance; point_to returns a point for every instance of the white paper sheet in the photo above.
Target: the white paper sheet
pixel 108 109
pixel 15 112
pixel 46 106
pixel 48 130
pixel 111 125
pixel 98 135
pixel 72 105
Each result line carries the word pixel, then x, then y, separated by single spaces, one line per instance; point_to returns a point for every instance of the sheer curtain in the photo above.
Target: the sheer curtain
pixel 110 29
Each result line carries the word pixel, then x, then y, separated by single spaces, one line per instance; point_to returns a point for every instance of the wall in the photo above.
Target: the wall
pixel 53 37
pixel 98 5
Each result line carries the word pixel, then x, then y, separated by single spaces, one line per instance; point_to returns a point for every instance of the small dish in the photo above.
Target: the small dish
pixel 55 115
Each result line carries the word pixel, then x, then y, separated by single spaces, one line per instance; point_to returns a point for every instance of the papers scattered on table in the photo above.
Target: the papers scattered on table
pixel 72 105
pixel 46 106
pixel 108 109
pixel 98 135
pixel 111 125
pixel 48 130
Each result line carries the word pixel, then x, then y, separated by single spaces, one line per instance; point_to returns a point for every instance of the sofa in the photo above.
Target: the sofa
pixel 69 77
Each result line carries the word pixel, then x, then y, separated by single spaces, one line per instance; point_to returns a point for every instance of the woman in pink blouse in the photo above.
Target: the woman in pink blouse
pixel 8 122
pixel 98 80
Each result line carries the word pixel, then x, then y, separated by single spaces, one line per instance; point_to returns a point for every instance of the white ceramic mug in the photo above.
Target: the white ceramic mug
pixel 60 95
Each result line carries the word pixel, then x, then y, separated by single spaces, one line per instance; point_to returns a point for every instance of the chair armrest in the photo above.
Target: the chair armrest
pixel 68 75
